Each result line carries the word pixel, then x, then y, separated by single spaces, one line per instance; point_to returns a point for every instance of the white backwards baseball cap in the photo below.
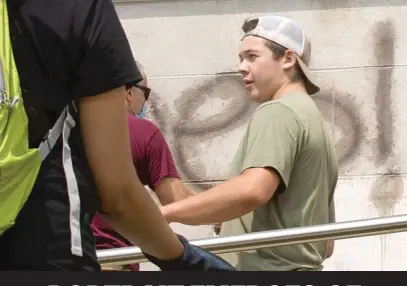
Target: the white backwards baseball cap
pixel 288 34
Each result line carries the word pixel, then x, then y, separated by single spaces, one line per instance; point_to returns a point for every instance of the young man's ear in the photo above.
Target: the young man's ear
pixel 289 59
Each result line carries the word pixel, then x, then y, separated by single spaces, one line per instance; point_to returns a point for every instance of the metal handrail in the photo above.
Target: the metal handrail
pixel 273 238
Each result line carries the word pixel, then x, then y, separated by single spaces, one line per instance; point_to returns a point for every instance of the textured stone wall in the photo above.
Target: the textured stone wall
pixel 189 50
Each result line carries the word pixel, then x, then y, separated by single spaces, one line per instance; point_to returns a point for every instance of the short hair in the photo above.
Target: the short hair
pixel 278 52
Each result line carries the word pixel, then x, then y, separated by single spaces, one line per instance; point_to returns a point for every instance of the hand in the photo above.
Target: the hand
pixel 193 258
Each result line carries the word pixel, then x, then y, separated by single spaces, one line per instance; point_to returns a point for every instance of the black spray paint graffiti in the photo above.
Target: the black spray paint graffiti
pixel 386 191
pixel 341 109
pixel 338 108
pixel 189 130
pixel 238 111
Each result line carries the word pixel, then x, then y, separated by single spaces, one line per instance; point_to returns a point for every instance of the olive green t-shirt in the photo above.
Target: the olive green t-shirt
pixel 289 136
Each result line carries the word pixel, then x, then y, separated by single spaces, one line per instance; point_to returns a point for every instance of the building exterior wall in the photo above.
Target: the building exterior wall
pixel 189 51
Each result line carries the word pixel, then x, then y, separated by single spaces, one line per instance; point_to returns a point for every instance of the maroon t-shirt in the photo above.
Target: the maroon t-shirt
pixel 153 161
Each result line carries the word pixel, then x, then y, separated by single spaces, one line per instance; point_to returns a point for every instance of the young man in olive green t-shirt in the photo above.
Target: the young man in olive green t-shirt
pixel 285 170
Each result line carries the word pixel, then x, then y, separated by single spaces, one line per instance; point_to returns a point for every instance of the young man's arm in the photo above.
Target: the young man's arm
pixel 272 145
pixel 229 200
pixel 164 178
pixel 171 190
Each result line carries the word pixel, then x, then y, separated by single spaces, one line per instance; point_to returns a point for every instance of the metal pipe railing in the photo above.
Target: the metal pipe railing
pixel 273 238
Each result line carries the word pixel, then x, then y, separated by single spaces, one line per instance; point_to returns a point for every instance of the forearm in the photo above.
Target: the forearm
pixel 141 222
pixel 171 190
pixel 212 206
pixel 182 191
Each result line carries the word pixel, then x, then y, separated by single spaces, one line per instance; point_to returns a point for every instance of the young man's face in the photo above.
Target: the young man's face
pixel 262 74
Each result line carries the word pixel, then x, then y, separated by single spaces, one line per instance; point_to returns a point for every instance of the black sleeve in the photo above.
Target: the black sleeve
pixel 107 61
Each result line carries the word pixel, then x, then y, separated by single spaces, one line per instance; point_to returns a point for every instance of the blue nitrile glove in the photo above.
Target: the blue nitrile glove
pixel 193 258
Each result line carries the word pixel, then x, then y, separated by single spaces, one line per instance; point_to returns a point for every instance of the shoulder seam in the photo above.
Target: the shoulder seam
pixel 286 107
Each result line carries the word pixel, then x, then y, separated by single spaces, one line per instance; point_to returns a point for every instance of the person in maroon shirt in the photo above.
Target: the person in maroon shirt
pixel 153 162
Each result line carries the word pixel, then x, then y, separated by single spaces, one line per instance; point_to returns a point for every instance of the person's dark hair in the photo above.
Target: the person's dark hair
pixel 249 25
pixel 278 52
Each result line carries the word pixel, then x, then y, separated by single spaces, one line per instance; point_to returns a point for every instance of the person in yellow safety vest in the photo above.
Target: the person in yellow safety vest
pixel 65 145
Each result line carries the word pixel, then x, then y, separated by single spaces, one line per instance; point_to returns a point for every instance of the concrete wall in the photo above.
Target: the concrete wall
pixel 189 50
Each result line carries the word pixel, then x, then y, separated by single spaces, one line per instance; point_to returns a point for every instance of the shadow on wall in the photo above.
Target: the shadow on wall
pixel 179 8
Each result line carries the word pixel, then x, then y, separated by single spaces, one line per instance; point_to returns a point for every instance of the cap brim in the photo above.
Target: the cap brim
pixel 310 83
